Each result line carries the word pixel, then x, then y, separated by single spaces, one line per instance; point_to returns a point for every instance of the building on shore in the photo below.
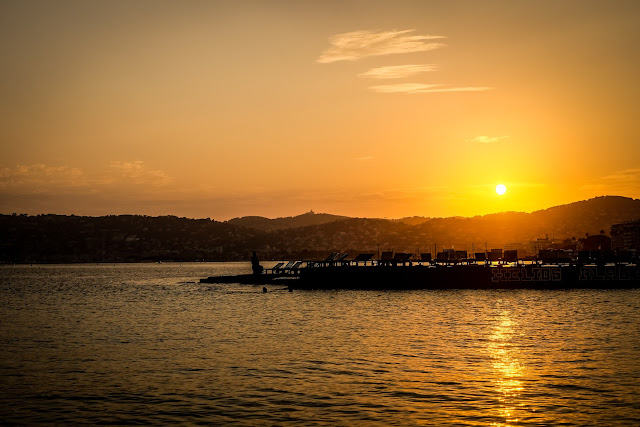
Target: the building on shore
pixel 626 236
pixel 596 242
pixel 535 246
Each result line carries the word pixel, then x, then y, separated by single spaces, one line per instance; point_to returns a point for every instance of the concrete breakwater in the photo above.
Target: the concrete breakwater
pixel 468 276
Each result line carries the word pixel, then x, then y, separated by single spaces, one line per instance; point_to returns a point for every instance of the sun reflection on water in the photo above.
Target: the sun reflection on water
pixel 507 368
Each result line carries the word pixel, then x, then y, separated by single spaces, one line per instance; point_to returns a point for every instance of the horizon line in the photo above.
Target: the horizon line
pixel 319 213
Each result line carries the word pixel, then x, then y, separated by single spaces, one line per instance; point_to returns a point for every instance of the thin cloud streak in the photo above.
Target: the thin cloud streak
pixel 37 176
pixel 621 182
pixel 360 44
pixel 40 178
pixel 398 71
pixel 483 139
pixel 139 173
pixel 403 88
pixel 425 88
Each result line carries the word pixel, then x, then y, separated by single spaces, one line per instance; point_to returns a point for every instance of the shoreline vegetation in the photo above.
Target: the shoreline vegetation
pixel 71 239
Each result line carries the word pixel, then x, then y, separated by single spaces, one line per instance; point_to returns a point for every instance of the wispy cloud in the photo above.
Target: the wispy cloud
pixel 137 172
pixel 624 182
pixel 624 175
pixel 359 44
pixel 365 158
pixel 398 71
pixel 37 177
pixel 40 178
pixel 483 139
pixel 403 88
pixel 426 88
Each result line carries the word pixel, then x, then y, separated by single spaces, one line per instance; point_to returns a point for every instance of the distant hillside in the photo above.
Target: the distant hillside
pixel 589 215
pixel 413 220
pixel 121 238
pixel 134 238
pixel 495 230
pixel 266 224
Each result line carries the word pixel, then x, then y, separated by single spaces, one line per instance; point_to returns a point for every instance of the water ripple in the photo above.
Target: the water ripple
pixel 147 344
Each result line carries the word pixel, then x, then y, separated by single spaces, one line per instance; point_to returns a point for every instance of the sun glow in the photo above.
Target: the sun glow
pixel 501 189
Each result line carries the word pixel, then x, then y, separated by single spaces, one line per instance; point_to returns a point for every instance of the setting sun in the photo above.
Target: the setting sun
pixel 501 189
pixel 120 106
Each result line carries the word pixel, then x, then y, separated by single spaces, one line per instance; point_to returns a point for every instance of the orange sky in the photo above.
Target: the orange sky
pixel 380 109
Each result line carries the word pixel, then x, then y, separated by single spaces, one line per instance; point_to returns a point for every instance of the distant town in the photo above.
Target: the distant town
pixel 608 223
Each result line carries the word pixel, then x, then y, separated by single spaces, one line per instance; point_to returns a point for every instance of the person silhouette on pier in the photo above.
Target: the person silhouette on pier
pixel 255 265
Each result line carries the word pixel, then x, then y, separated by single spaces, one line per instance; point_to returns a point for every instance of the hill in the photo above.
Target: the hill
pixel 122 238
pixel 134 238
pixel 266 224
pixel 513 229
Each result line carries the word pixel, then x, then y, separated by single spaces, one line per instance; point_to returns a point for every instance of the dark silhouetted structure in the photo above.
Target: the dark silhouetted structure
pixel 597 242
pixel 255 265
pixel 626 236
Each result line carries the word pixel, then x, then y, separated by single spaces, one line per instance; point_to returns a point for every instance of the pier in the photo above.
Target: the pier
pixel 403 271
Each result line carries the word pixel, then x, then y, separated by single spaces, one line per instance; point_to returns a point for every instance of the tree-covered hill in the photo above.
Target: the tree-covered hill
pixel 267 224
pixel 122 238
pixel 134 238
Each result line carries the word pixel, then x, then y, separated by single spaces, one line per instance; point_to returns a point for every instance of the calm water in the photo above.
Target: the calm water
pixel 148 344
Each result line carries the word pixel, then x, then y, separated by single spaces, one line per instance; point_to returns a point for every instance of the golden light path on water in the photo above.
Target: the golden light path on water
pixel 508 370
pixel 147 344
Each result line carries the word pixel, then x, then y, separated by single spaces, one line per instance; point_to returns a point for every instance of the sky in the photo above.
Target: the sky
pixel 390 109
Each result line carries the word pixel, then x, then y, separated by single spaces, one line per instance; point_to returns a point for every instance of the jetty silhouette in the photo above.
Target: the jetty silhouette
pixel 450 270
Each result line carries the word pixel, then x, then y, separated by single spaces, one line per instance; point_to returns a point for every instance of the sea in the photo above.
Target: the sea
pixel 123 344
